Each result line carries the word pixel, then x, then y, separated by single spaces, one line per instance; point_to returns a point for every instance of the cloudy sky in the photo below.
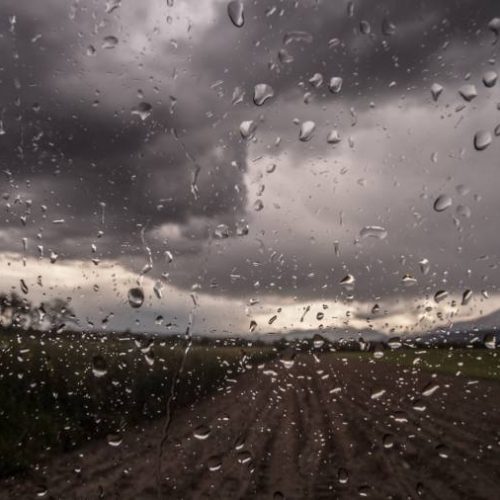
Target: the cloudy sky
pixel 133 153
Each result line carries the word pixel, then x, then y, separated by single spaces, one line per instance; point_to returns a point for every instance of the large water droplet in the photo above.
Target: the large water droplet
pixel 468 92
pixel 262 92
pixel 316 80
pixel 247 129
pixel 482 140
pixel 378 232
pixel 306 131
pixel 236 13
pixel 490 79
pixel 442 203
pixel 436 91
pixel 136 297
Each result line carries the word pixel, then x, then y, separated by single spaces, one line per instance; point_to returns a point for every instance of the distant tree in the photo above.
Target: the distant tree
pixel 56 314
pixel 15 311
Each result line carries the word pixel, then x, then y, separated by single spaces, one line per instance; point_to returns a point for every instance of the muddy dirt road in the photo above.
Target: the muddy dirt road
pixel 323 428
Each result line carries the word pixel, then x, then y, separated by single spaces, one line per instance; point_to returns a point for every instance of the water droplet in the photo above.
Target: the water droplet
pixel 424 266
pixel 482 140
pixel 333 137
pixel 490 79
pixel 494 26
pixel 114 440
pixel 490 341
pixel 316 80
pixel 378 394
pixel 253 326
pixel 377 232
pixel 136 297
pixel 388 27
pixel 306 131
pixel 468 92
pixel 90 50
pixel 335 84
pixel 258 205
pixel 285 57
pixel 247 129
pixel 109 42
pixel 440 295
pixel 143 110
pixel 365 28
pixel 464 211
pixel 41 491
pixel 442 203
pixel 222 231
pixel 262 92
pixel 347 280
pixel 24 286
pixel 214 463
pixel 466 296
pixel 497 130
pixel 297 36
pixel 112 5
pixel 436 91
pixel 278 496
pixel 202 432
pixel 99 366
pixel 442 451
pixel 236 13
pixel 430 389
pixel 343 476
pixel 388 441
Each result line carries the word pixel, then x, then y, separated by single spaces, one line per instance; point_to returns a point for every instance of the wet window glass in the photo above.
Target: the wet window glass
pixel 249 249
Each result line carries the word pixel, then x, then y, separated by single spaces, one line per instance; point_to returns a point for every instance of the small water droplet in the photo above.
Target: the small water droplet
pixel 494 27
pixel 236 13
pixel 114 440
pixel 388 441
pixel 316 80
pixel 442 203
pixel 365 28
pixel 297 36
pixel 347 280
pixel 136 297
pixel 490 341
pixel 378 232
pixel 424 266
pixel 221 231
pixel 335 84
pixel 99 366
pixel 24 286
pixel 436 91
pixel 342 475
pixel 258 205
pixel 109 42
pixel 440 295
pixel 306 131
pixel 430 389
pixel 333 137
pixel 142 110
pixel 214 463
pixel 388 27
pixel 378 394
pixel 466 296
pixel 202 432
pixel 262 92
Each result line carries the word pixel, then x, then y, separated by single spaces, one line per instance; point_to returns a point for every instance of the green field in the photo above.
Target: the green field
pixel 59 391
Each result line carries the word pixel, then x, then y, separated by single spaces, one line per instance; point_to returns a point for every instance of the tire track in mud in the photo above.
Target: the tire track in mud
pixel 292 431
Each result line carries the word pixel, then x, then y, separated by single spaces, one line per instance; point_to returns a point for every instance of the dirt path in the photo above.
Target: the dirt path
pixel 317 430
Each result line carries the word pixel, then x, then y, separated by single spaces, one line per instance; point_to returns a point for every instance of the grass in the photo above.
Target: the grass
pixel 477 363
pixel 51 401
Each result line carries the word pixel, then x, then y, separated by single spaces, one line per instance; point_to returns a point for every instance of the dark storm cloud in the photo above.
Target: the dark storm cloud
pixel 94 150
